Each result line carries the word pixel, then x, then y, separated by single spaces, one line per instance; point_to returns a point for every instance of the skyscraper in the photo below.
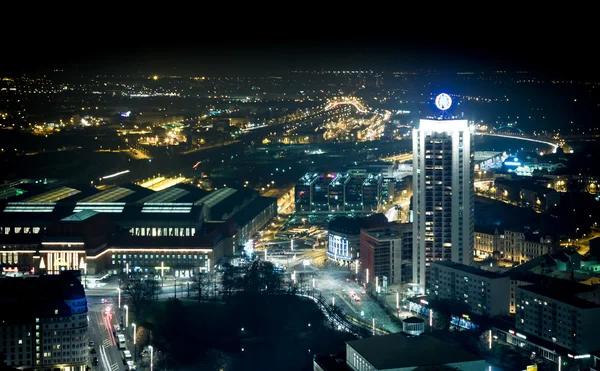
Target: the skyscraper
pixel 443 198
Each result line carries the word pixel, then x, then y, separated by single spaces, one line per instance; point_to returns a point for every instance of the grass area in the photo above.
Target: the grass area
pixel 275 332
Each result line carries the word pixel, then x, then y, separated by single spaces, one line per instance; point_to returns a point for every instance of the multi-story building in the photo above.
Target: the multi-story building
pixel 354 191
pixel 337 192
pixel 44 323
pixel 345 236
pixel 486 293
pixel 512 245
pixel 320 194
pixel 181 230
pixel 401 352
pixel 443 201
pixel 387 252
pixel 371 190
pixel 522 246
pixel 353 194
pixel 485 241
pixel 539 198
pixel 304 190
pixel 561 312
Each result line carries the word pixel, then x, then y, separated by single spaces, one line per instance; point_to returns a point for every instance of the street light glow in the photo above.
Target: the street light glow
pixel 119 291
pixel 126 315
pixel 134 333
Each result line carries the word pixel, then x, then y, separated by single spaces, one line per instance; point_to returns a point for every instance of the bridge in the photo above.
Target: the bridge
pixel 351 101
pixel 554 145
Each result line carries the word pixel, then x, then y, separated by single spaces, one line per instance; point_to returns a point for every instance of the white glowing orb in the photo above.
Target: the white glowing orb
pixel 443 101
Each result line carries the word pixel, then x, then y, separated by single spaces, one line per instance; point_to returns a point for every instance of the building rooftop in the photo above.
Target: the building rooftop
pixel 563 291
pixel 215 197
pixel 332 362
pixel 255 207
pixel 54 195
pixel 392 231
pixel 373 179
pixel 398 350
pixel 80 216
pixel 308 179
pixel 470 270
pixel 340 179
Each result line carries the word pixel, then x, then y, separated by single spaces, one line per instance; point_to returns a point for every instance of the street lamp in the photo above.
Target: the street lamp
pixel 151 357
pixel 126 315
pixel 119 291
pixel 134 341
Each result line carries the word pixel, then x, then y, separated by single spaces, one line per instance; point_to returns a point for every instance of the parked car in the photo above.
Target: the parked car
pixel 95 361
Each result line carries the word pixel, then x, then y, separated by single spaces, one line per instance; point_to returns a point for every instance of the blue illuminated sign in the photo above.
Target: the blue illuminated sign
pixel 443 101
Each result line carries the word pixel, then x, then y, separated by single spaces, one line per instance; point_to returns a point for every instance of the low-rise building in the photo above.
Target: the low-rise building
pixel 517 246
pixel 344 236
pixel 399 352
pixel 486 293
pixel 44 323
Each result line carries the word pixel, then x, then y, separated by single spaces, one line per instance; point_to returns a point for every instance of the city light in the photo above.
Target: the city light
pixel 115 174
pixel 367 276
pixel 398 300
pixel 490 339
pixel 430 318
pixel 134 333
pixel 333 301
pixel 119 291
pixel 151 357
pixel 313 283
pixel 126 315
pixel 373 326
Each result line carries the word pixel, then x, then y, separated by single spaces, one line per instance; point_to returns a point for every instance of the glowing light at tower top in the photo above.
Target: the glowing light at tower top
pixel 443 101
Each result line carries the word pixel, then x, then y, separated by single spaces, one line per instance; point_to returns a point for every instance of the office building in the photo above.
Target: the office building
pixel 400 352
pixel 337 192
pixel 355 191
pixel 560 312
pixel 485 293
pixel 387 252
pixel 443 200
pixel 44 323
pixel 372 190
pixel 304 190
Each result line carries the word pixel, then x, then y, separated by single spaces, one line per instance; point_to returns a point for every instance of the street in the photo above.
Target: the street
pixel 100 332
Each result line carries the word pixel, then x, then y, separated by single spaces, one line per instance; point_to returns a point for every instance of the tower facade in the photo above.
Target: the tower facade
pixel 443 198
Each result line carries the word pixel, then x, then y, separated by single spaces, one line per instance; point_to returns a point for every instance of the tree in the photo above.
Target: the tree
pixel 229 281
pixel 140 291
pixel 200 284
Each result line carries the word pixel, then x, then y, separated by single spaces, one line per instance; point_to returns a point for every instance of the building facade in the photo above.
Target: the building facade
pixel 486 293
pixel 512 245
pixel 443 175
pixel 565 316
pixel 177 231
pixel 44 325
pixel 353 191
pixel 387 252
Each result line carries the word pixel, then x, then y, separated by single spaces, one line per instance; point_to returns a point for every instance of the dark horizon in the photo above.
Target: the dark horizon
pixel 103 55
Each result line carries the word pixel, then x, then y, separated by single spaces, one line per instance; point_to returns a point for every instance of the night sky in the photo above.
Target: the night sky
pixel 180 55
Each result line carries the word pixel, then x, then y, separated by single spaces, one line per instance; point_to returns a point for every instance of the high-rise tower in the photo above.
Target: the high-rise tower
pixel 443 197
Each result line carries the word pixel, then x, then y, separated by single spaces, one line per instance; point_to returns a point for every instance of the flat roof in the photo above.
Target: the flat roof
pixel 563 293
pixel 308 179
pixel 470 270
pixel 29 207
pixel 398 351
pixel 54 195
pixel 372 179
